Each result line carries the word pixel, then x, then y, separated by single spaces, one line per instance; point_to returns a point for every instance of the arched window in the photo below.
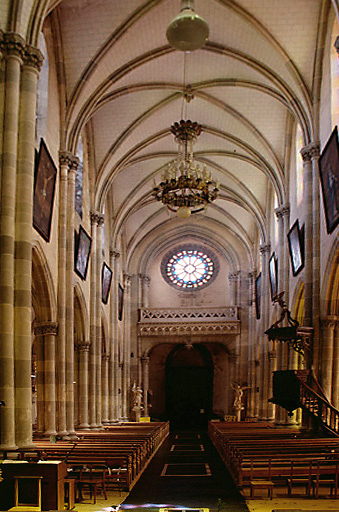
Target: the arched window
pixel 334 76
pixel 299 168
pixel 79 178
pixel 42 93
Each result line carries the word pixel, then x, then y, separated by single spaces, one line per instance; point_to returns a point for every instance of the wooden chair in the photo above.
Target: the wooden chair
pixel 262 483
pixel 327 474
pixel 298 478
pixel 94 477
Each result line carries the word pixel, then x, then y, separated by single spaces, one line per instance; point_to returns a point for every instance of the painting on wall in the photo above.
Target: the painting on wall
pixel 258 283
pixel 273 273
pixel 295 238
pixel 106 279
pixel 44 191
pixel 82 253
pixel 329 177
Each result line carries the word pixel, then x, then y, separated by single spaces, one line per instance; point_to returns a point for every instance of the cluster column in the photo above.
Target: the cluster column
pixel 83 349
pixel 12 48
pixel 306 156
pixel 114 397
pixel 126 346
pixel 264 362
pixel 145 383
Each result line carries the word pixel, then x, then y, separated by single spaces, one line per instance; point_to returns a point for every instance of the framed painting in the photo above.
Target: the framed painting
pixel 106 279
pixel 329 177
pixel 120 302
pixel 82 253
pixel 44 191
pixel 273 273
pixel 295 238
pixel 258 284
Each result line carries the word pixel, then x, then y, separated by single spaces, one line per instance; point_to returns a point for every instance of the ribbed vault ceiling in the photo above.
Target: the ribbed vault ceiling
pixel 125 82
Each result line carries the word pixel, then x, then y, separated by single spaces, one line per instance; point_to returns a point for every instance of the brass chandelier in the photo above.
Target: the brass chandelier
pixel 185 187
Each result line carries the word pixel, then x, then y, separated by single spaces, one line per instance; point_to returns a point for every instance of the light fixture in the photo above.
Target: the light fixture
pixel 185 187
pixel 187 31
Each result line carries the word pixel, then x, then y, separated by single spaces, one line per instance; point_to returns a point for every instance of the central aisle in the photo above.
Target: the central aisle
pixel 186 472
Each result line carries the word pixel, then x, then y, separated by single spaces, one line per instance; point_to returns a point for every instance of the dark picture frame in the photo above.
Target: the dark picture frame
pixel 106 280
pixel 44 191
pixel 296 244
pixel 82 253
pixel 329 177
pixel 120 302
pixel 273 273
pixel 258 292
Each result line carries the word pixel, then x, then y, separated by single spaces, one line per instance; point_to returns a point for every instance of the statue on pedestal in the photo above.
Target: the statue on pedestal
pixel 237 404
pixel 137 401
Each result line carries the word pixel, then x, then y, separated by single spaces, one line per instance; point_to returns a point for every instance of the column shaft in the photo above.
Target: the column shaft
pixel 308 235
pixel 93 332
pixel 12 46
pixel 83 349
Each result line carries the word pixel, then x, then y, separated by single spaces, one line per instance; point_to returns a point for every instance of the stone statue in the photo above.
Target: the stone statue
pixel 137 401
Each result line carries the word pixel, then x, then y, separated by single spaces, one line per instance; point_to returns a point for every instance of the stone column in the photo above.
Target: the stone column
pixel 49 330
pixel 104 388
pixel 308 273
pixel 65 161
pixel 233 280
pixel 328 326
pixel 83 349
pixel 335 373
pixel 264 385
pixel 145 383
pixel 40 370
pixel 282 214
pixel 272 365
pixel 73 165
pixel 114 412
pixel 314 150
pixel 127 346
pixel 144 282
pixel 98 249
pixel 93 329
pixel 12 47
pixel 32 61
pixel 251 355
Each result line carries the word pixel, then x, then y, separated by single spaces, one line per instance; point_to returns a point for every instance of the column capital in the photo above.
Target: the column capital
pixel 265 248
pixel 114 253
pixel 336 44
pixel 127 279
pixel 233 276
pixel 83 346
pixel 97 218
pixel 12 44
pixel 145 278
pixel 282 211
pixel 44 328
pixel 312 150
pixel 272 355
pixel 144 360
pixel 105 356
pixel 66 158
pixel 33 57
pixel 329 322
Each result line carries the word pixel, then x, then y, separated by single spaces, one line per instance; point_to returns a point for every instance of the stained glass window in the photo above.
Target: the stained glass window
pixel 189 269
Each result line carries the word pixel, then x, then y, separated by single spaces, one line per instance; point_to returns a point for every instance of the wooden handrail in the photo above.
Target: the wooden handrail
pixel 320 408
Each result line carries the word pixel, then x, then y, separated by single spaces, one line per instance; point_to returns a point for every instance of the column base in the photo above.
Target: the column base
pixel 49 433
pixel 123 419
pixel 8 447
pixel 85 426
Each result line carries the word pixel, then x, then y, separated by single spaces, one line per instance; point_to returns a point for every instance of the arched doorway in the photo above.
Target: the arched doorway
pixel 189 387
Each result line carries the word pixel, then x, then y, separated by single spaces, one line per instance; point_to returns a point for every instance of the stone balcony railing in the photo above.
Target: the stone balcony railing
pixel 188 321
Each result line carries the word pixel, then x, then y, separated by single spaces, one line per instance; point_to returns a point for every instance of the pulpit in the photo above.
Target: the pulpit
pixel 51 474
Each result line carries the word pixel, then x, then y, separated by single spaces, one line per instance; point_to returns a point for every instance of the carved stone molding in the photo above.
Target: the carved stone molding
pixel 97 218
pixel 12 44
pixel 188 329
pixel 46 328
pixel 310 151
pixel 83 346
pixel 264 249
pixel 66 158
pixel 33 57
pixel 149 315
pixel 330 322
pixel 114 253
pixel 282 211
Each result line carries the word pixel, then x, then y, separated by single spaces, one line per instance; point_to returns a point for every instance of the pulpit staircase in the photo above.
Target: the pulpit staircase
pixel 293 389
